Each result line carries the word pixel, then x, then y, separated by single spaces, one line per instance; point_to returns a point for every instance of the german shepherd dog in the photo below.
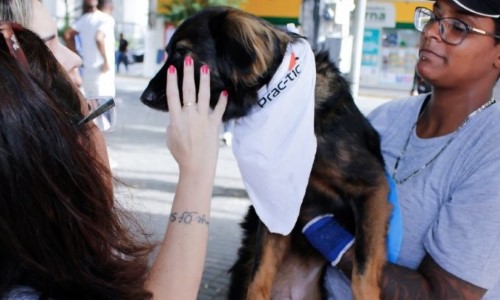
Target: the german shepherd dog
pixel 347 177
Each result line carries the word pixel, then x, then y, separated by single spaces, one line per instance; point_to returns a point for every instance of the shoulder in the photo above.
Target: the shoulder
pixel 104 17
pixel 397 106
pixel 396 113
pixel 483 130
pixel 79 22
pixel 483 135
pixel 493 116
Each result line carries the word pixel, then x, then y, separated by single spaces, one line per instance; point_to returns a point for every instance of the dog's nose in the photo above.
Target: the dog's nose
pixel 148 97
pixel 154 100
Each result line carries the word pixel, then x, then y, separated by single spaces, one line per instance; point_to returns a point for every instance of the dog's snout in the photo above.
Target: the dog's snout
pixel 148 96
pixel 154 99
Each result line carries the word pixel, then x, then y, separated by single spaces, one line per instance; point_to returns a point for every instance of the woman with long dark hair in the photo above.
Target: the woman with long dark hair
pixel 61 235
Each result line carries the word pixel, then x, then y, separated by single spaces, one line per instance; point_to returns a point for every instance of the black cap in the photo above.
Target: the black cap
pixel 485 8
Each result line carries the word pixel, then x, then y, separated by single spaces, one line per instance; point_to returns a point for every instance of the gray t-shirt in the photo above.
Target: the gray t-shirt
pixel 451 209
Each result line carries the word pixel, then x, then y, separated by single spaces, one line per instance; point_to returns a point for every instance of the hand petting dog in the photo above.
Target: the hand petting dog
pixel 190 134
pixel 192 137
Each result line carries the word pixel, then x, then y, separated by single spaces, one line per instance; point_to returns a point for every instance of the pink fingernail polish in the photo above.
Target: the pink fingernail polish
pixel 224 93
pixel 205 69
pixel 188 61
pixel 171 69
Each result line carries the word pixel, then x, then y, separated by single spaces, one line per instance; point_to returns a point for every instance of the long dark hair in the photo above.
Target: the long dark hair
pixel 58 232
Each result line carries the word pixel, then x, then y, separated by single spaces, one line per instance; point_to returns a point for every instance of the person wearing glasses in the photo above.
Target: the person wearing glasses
pixel 61 235
pixel 442 152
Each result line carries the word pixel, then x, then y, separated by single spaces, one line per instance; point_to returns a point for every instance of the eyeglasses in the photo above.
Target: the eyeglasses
pixel 102 114
pixel 7 29
pixel 451 30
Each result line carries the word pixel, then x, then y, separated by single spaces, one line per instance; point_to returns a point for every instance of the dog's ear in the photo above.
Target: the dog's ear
pixel 246 46
pixel 229 43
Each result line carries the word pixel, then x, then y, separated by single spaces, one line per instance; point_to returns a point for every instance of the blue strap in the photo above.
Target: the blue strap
pixel 331 239
pixel 328 237
pixel 395 233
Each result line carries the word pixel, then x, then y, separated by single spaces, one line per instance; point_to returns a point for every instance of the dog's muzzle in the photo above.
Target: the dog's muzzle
pixel 154 100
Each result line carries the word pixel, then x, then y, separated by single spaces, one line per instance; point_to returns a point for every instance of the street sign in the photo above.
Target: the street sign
pixel 380 15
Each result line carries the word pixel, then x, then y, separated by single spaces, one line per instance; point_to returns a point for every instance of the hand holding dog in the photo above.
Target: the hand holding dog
pixel 192 135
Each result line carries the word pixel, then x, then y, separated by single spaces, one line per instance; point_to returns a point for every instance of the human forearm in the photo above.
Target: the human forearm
pixel 101 47
pixel 102 50
pixel 69 38
pixel 192 137
pixel 177 270
pixel 429 281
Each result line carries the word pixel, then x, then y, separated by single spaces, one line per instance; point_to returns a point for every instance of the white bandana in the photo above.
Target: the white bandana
pixel 275 144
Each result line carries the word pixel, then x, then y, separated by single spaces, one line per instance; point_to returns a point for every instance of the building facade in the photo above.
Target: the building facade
pixel 390 41
pixel 390 44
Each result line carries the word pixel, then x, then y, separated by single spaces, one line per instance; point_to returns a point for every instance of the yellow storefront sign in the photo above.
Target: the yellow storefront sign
pixel 286 11
pixel 405 10
pixel 160 6
pixel 273 8
pixel 276 11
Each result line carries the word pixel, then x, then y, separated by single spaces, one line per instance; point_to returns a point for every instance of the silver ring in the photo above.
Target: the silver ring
pixel 189 104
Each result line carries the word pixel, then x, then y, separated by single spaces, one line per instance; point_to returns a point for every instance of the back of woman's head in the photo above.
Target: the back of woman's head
pixel 58 232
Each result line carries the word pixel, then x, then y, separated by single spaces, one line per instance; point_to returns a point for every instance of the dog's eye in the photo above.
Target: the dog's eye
pixel 183 51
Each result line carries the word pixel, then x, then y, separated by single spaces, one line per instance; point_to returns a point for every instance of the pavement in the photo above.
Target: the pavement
pixel 147 176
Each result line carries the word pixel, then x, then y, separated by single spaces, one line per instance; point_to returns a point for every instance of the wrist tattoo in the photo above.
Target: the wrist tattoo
pixel 189 217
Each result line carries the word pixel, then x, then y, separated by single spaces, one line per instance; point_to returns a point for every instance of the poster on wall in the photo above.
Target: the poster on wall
pixel 398 65
pixel 370 56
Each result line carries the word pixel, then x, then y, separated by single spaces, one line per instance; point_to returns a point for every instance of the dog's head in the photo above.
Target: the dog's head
pixel 242 51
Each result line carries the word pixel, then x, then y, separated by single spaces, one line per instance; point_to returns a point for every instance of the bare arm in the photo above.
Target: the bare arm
pixel 192 138
pixel 101 47
pixel 69 38
pixel 429 281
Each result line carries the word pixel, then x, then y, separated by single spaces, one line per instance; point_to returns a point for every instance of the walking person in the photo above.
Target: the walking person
pixel 95 29
pixel 122 55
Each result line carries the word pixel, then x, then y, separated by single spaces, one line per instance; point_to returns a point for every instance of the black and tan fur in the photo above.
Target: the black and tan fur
pixel 347 178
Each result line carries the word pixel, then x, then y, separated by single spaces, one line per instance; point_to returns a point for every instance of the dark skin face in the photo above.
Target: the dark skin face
pixel 462 76
pixel 445 65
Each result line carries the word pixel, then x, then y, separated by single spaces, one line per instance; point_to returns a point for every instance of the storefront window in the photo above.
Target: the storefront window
pixel 389 57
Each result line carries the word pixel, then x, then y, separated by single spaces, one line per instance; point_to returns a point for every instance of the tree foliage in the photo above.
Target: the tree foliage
pixel 179 10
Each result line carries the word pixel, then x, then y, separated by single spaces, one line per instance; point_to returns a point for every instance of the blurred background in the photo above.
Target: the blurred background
pixel 373 41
